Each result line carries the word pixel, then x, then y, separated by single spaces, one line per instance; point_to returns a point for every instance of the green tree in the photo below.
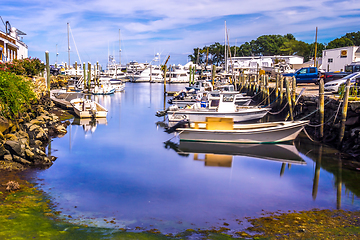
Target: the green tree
pixel 340 42
pixel 354 37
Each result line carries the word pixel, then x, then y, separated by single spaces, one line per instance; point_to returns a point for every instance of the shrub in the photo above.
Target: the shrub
pixel 28 66
pixel 16 94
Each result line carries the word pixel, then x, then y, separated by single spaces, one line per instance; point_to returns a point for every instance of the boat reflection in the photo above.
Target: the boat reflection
pixel 221 154
pixel 89 124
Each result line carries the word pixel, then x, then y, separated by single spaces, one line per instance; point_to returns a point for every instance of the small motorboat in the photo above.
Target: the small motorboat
pixel 225 131
pixel 221 105
pixel 86 108
pixel 105 87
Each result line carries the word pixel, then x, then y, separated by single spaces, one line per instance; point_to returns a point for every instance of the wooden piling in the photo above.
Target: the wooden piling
pixel 277 86
pixel 89 74
pixel 165 68
pixel 98 73
pixel 267 89
pixel 344 111
pixel 321 107
pixel 76 67
pixel 288 95
pixel 281 89
pixel 47 72
pixel 293 90
pixel 84 72
pixel 213 72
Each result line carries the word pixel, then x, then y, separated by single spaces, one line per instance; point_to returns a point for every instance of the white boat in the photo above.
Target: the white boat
pixel 225 131
pixel 201 85
pixel 177 74
pixel 221 105
pixel 104 88
pixel 152 73
pixel 86 108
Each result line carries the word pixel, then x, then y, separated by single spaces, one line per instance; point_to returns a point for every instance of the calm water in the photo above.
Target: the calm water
pixel 123 170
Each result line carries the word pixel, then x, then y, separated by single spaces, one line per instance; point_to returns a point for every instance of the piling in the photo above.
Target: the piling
pixel 281 89
pixel 193 78
pixel 190 69
pixel 47 72
pixel 277 86
pixel 98 73
pixel 321 107
pixel 165 68
pixel 267 89
pixel 288 95
pixel 76 67
pixel 344 111
pixel 213 72
pixel 293 90
pixel 89 74
pixel 150 73
pixel 84 72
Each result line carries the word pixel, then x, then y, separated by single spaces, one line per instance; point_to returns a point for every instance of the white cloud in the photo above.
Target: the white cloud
pixel 171 26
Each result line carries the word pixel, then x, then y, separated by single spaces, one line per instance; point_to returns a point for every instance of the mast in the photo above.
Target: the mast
pixel 119 48
pixel 68 26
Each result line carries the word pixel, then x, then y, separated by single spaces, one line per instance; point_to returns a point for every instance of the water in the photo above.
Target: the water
pixel 123 170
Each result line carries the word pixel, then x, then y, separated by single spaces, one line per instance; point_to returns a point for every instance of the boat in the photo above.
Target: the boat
pixel 116 83
pixel 152 73
pixel 86 108
pixel 104 88
pixel 286 153
pixel 220 104
pixel 225 131
pixel 177 74
pixel 201 85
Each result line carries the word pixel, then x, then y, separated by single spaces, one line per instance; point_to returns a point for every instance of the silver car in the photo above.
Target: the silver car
pixel 333 86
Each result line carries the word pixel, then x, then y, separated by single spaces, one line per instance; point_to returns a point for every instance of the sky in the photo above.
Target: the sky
pixel 142 28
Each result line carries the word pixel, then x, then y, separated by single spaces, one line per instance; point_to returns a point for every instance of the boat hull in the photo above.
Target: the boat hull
pixel 243 115
pixel 285 132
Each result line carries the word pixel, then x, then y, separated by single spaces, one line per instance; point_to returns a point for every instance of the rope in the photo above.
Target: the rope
pixel 313 111
pixel 275 113
pixel 309 135
pixel 265 98
pixel 335 114
pixel 270 103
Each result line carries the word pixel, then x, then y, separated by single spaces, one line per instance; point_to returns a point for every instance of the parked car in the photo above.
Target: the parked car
pixel 305 75
pixel 333 86
pixel 331 76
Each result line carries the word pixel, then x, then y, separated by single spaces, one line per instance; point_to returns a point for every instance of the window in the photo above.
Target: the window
pixel 303 71
pixel 330 60
pixel 312 70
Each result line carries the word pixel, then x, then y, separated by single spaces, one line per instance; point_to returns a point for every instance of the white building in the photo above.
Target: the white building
pixel 11 45
pixel 336 59
pixel 253 63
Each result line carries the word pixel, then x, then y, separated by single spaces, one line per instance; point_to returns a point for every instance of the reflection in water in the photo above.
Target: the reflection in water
pixel 127 171
pixel 89 124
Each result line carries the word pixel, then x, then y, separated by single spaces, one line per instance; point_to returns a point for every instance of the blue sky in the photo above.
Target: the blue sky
pixel 168 27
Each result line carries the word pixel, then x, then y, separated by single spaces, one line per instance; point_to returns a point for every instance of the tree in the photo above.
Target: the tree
pixel 340 42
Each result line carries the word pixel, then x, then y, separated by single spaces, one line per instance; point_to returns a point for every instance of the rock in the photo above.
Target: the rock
pixel 355 131
pixel 352 121
pixel 21 160
pixel 2 136
pixel 3 150
pixel 11 137
pixel 4 124
pixel 39 152
pixel 8 157
pixel 13 147
pixel 29 154
pixel 38 142
pixel 34 127
pixel 61 129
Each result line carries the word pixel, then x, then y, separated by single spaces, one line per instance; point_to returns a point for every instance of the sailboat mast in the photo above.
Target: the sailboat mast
pixel 68 27
pixel 119 48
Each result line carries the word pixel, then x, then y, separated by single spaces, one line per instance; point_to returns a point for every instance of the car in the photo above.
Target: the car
pixel 333 86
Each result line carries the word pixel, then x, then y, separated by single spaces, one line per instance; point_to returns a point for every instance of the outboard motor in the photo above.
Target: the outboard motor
pixel 181 124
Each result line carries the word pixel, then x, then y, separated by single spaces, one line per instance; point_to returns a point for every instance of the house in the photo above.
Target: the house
pixel 11 44
pixel 336 59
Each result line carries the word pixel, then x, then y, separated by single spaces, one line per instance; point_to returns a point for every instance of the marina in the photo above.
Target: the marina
pixel 171 185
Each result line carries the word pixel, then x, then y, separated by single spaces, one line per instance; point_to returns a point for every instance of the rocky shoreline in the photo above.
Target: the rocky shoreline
pixel 23 141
